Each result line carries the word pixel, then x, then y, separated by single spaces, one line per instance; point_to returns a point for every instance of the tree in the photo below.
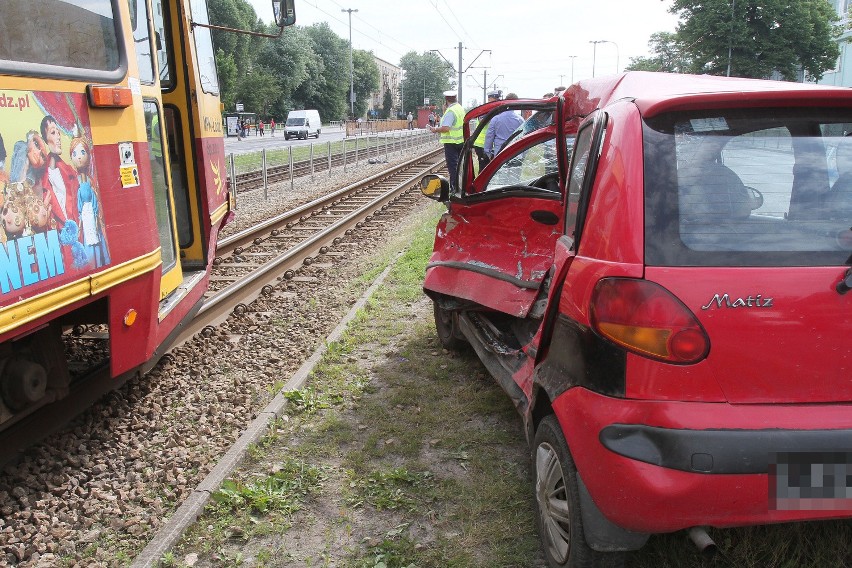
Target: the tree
pixel 292 61
pixel 367 79
pixel 259 91
pixel 387 104
pixel 761 36
pixel 667 55
pixel 235 53
pixel 426 75
pixel 329 91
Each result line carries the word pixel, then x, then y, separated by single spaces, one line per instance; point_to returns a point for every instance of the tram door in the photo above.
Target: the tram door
pixel 171 111
pixel 152 59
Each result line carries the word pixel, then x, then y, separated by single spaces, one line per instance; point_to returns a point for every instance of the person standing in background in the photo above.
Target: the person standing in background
pixel 501 128
pixel 452 136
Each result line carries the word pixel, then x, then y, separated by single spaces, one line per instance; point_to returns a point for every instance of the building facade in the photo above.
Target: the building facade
pixel 391 76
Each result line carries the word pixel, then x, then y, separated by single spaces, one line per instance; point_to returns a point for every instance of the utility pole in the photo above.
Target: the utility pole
pixel 351 66
pixel 485 86
pixel 572 57
pixel 461 71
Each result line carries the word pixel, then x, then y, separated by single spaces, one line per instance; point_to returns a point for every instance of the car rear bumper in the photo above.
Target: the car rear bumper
pixel 696 464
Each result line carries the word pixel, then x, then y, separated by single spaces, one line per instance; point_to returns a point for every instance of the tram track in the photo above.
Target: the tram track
pixel 310 229
pixel 96 484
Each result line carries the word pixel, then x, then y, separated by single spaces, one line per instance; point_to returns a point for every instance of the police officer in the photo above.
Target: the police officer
pixel 452 136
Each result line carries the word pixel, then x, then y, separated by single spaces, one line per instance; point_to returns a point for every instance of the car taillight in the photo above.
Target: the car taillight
pixel 647 319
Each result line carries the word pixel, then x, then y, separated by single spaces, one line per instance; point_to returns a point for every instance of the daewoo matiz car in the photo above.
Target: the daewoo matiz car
pixel 657 272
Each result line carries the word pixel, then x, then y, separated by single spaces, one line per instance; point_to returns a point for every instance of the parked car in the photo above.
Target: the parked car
pixel 659 280
pixel 302 123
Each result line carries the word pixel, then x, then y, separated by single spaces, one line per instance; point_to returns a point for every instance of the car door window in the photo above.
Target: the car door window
pixel 582 150
pixel 535 166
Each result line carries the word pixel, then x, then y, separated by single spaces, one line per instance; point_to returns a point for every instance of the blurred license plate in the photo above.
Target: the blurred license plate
pixel 810 481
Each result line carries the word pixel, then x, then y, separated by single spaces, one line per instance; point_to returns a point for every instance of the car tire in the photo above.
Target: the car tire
pixel 286 137
pixel 447 325
pixel 560 523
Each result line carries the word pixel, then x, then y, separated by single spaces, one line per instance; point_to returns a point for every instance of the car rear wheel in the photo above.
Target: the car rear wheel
pixel 560 523
pixel 446 323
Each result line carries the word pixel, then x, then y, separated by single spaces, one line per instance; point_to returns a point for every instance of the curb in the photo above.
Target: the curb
pixel 191 508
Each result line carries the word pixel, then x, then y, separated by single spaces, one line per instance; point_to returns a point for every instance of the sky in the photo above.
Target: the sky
pixel 522 46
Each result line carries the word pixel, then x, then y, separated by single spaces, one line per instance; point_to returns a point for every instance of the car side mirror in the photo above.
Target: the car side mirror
pixel 755 198
pixel 435 187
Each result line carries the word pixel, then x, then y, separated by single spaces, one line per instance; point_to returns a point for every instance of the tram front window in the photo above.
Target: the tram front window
pixel 80 34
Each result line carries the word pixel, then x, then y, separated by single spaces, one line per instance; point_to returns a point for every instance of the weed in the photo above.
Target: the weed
pixel 305 400
pixel 392 489
pixel 168 560
pixel 281 491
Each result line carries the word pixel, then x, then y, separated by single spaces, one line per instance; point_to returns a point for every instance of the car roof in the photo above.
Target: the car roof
pixel 654 93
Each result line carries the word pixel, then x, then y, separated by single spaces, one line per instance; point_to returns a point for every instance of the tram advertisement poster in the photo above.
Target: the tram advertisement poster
pixel 51 221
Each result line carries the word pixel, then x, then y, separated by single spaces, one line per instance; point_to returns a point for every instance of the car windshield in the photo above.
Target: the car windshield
pixel 749 188
pixel 295 122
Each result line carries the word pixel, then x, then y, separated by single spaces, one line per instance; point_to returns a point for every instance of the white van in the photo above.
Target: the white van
pixel 302 123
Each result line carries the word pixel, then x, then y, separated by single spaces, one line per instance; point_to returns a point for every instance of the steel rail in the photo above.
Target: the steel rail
pixel 250 235
pixel 244 290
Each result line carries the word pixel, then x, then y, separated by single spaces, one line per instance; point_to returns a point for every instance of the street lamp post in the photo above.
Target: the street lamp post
pixel 594 52
pixel 572 57
pixel 351 66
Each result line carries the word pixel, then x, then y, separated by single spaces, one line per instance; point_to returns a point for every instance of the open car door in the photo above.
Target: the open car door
pixel 495 244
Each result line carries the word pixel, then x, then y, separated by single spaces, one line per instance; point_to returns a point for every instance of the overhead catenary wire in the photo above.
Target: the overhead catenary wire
pixel 368 36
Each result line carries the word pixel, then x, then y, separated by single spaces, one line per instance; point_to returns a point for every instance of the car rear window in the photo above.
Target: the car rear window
pixel 749 187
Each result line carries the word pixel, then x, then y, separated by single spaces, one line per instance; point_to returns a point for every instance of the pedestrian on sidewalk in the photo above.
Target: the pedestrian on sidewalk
pixel 272 126
pixel 410 121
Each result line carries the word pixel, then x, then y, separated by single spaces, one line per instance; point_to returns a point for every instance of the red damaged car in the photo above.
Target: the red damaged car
pixel 656 269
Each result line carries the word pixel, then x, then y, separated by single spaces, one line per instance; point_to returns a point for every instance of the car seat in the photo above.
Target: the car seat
pixel 712 193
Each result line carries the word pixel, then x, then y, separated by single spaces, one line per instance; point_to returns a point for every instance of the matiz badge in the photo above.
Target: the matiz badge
pixel 725 301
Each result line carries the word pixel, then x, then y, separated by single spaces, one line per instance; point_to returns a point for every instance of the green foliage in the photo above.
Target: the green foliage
pixel 281 491
pixel 307 400
pixel 669 55
pixel 367 79
pixel 393 489
pixel 387 104
pixel 328 88
pixel 394 551
pixel 762 36
pixel 426 75
pixel 305 67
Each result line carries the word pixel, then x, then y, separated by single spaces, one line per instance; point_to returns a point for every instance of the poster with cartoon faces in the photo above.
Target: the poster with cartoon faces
pixel 51 219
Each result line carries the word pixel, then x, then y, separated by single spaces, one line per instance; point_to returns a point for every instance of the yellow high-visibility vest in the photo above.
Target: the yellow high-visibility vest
pixel 456 134
pixel 480 140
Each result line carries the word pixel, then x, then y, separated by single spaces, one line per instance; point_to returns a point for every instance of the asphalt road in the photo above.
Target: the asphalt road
pixel 254 143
